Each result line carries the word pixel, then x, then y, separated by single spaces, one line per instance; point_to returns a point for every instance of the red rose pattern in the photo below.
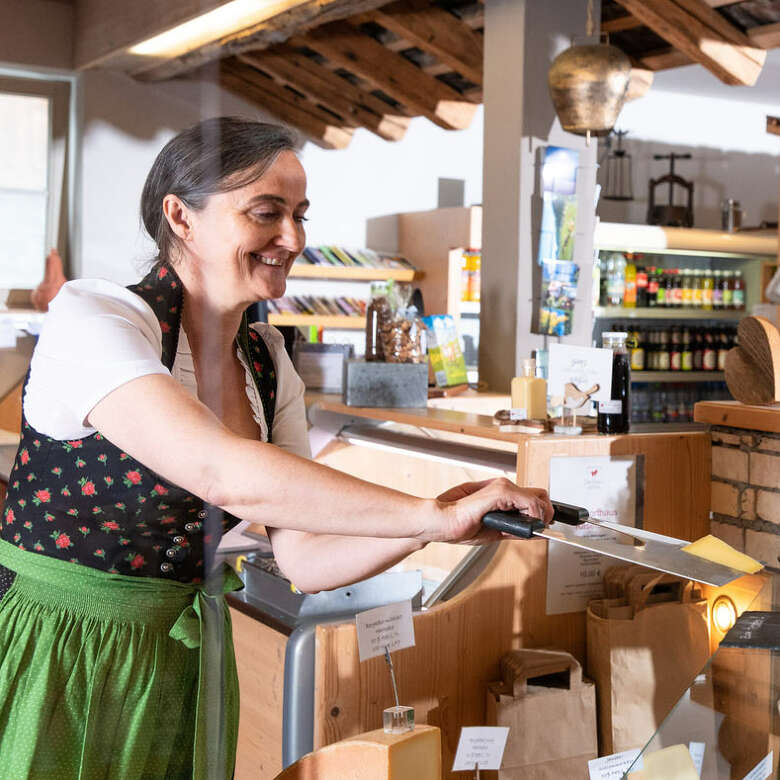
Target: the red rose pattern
pixel 54 475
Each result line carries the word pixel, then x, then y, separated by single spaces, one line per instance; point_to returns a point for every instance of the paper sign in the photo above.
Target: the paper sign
pixel 518 414
pixel 388 627
pixel 762 770
pixel 606 487
pixel 615 766
pixel 696 749
pixel 481 746
pixel 582 366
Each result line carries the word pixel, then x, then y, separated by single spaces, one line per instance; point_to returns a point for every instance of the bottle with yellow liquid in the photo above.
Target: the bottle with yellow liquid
pixel 529 393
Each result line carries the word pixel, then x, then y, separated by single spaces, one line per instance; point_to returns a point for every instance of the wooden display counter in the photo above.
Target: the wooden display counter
pixel 459 642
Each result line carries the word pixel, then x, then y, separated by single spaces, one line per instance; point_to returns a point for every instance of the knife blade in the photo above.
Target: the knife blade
pixel 656 551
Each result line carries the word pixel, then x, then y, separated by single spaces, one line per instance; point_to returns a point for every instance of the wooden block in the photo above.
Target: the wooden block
pixel 753 368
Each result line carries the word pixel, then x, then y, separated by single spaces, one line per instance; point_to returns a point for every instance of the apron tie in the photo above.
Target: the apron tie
pixel 205 624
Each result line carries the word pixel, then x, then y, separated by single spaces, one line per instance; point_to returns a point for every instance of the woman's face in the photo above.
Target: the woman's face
pixel 243 242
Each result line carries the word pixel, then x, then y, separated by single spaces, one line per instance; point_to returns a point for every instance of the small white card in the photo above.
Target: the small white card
pixel 518 414
pixel 584 367
pixel 388 627
pixel 763 769
pixel 696 749
pixel 615 766
pixel 481 746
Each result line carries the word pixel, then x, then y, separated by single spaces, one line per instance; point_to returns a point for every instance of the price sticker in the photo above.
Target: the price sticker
pixel 480 747
pixel 385 628
pixel 613 767
pixel 696 749
pixel 763 769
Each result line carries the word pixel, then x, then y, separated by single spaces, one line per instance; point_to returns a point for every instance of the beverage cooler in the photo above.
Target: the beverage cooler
pixel 679 294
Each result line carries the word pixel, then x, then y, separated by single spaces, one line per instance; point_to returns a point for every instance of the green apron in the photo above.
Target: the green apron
pixel 112 677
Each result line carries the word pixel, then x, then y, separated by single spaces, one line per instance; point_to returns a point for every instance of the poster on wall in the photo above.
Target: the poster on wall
pixel 556 243
pixel 607 486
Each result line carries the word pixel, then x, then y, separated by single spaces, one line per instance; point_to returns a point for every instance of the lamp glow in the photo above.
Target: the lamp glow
pixel 229 18
pixel 724 613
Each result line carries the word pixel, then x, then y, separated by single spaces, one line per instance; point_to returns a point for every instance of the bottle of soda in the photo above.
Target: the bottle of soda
pixel 637 351
pixel 615 414
pixel 687 287
pixel 642 283
pixel 660 290
pixel 677 290
pixel 686 357
pixel 717 289
pixel 728 290
pixel 675 351
pixel 698 350
pixel 653 274
pixel 710 356
pixel 707 289
pixel 738 296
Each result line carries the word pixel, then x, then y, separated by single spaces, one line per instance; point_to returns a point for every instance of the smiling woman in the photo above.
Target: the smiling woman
pixel 155 417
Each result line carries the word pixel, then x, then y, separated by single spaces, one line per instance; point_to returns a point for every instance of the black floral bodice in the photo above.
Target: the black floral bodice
pixel 87 502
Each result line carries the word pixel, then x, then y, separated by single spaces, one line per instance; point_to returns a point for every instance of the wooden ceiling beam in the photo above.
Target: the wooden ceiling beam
pixel 627 22
pixel 705 36
pixel 347 47
pixel 663 59
pixel 767 36
pixel 300 16
pixel 436 31
pixel 324 132
pixel 326 88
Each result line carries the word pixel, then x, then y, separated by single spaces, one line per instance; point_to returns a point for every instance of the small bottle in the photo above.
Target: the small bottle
pixel 615 414
pixel 724 345
pixel 652 286
pixel 698 290
pixel 717 289
pixel 686 357
pixel 675 351
pixel 728 290
pixel 698 350
pixel 677 290
pixel 738 297
pixel 377 314
pixel 707 287
pixel 637 352
pixel 709 356
pixel 660 290
pixel 687 288
pixel 664 359
pixel 529 393
pixel 642 283
pixel 629 294
pixel 671 297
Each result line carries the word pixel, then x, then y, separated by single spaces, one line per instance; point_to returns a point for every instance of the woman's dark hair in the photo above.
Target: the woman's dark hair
pixel 216 155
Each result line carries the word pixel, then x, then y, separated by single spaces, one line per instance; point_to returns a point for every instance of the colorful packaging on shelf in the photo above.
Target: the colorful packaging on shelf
pixel 444 353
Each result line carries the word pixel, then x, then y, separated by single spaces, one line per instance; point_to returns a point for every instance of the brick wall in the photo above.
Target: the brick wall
pixel 746 491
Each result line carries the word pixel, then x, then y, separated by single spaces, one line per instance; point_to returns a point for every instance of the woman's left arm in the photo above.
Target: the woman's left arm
pixel 315 562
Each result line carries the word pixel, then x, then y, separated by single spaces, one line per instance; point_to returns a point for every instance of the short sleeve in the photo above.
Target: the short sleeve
pixel 96 337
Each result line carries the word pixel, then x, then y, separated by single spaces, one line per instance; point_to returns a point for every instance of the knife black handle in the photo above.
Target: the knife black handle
pixel 512 522
pixel 569 514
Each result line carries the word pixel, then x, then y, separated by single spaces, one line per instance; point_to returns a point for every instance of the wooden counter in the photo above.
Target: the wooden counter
pixel 733 414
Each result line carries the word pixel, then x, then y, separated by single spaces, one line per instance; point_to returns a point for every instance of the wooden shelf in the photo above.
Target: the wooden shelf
pixel 663 313
pixel 320 321
pixel 353 273
pixel 678 376
pixel 736 415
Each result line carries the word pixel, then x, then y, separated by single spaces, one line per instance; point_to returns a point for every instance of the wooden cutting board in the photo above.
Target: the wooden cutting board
pixel 753 368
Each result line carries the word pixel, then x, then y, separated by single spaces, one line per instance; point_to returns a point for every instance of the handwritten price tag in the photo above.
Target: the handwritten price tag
pixel 388 627
pixel 481 746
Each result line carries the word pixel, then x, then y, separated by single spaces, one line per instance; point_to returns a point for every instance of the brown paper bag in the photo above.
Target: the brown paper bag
pixel 643 653
pixel 551 714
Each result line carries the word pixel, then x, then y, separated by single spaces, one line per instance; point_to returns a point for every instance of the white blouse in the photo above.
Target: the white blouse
pixel 99 335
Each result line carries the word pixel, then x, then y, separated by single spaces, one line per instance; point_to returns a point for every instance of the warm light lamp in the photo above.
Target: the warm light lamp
pixel 724 613
pixel 211 26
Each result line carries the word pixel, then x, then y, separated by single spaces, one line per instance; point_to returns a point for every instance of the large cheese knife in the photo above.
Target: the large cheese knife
pixel 655 551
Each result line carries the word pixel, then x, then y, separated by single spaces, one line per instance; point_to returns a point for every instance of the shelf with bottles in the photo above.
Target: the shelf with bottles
pixel 655 402
pixel 630 282
pixel 679 353
pixel 656 313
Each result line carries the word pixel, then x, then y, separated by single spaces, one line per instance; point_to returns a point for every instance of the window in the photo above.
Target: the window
pixel 25 141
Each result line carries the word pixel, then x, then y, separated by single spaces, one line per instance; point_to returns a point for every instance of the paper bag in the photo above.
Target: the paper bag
pixel 551 714
pixel 643 652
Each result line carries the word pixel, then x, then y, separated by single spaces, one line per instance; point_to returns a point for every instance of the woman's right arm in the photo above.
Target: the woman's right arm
pixel 159 424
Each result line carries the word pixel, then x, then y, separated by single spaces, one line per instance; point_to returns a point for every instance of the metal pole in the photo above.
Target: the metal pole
pixel 392 675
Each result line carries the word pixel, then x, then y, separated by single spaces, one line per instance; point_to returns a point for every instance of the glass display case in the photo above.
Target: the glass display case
pixel 729 718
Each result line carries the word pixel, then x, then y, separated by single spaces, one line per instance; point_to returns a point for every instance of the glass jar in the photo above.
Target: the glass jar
pixel 378 315
pixel 615 414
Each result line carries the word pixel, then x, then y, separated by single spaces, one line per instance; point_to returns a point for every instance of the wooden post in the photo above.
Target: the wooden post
pixel 521 40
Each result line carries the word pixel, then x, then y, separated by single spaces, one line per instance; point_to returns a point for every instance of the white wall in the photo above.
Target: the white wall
pixel 732 155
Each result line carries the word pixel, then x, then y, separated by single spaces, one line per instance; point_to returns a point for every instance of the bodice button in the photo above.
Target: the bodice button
pixel 166 567
pixel 179 540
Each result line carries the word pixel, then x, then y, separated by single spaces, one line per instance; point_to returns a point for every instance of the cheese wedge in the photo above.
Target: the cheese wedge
pixel 717 551
pixel 415 755
pixel 672 763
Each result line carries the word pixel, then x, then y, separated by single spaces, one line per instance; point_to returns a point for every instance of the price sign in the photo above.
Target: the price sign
pixel 480 747
pixel 389 627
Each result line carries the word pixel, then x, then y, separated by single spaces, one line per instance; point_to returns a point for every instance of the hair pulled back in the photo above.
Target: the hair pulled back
pixel 215 155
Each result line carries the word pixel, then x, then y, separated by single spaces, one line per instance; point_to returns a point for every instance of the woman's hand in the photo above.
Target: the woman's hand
pixel 462 508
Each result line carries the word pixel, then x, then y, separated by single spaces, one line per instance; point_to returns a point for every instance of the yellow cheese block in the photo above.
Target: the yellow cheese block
pixel 415 755
pixel 672 763
pixel 717 551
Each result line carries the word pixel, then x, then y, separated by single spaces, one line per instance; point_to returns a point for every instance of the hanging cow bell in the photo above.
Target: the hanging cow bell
pixel 588 85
